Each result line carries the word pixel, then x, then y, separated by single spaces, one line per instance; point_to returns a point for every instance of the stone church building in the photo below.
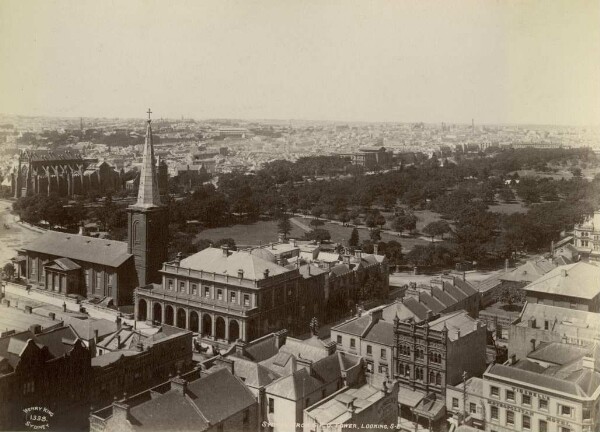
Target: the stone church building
pixel 106 270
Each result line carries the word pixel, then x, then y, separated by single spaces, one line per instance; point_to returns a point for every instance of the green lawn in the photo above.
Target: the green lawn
pixel 341 234
pixel 260 232
pixel 508 208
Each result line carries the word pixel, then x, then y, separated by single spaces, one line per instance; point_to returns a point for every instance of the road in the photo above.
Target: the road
pixel 12 234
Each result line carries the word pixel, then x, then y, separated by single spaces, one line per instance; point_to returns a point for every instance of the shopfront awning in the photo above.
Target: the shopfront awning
pixel 409 397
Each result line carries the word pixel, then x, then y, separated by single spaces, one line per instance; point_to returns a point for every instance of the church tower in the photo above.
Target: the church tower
pixel 148 233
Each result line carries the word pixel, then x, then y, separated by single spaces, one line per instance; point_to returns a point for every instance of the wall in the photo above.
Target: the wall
pixel 474 363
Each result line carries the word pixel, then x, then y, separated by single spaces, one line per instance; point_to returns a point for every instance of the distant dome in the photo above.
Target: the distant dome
pixel 264 254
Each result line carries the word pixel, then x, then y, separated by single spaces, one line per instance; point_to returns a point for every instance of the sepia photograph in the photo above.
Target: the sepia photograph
pixel 300 215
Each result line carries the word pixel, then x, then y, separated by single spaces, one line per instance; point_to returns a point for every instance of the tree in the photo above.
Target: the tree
pixel 510 295
pixel 380 221
pixel 406 222
pixel 229 242
pixel 375 235
pixel 318 234
pixel 316 223
pixel 284 226
pixel 9 271
pixel 354 238
pixel 370 221
pixel 436 228
pixel 345 218
pixel 506 194
pixel 393 252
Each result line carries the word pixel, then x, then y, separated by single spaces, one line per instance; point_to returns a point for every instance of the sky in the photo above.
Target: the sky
pixel 530 61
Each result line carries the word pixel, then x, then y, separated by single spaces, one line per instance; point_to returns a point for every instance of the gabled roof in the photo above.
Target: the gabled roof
pixel 110 253
pixel 432 303
pixel 64 264
pixel 419 309
pixel 558 353
pixel 529 271
pixel 207 402
pixel 579 280
pixel 214 260
pixel 253 374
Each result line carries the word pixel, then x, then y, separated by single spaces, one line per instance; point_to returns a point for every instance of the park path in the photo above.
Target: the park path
pixel 300 225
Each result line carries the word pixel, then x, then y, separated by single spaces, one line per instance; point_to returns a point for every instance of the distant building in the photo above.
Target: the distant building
pixel 196 401
pixel 233 132
pixel 587 238
pixel 372 157
pixel 65 173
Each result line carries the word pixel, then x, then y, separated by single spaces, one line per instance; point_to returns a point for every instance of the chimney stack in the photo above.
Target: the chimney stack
pixel 241 273
pixel 266 273
pixel 375 249
pixel 179 385
pixel 120 411
pixel 96 336
pixel 563 273
pixel 225 250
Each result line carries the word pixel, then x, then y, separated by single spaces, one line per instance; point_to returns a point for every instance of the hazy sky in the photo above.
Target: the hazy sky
pixel 452 60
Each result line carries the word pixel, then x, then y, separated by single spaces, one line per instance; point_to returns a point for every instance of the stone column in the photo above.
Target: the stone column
pixel 200 315
pixel 227 328
pixel 214 326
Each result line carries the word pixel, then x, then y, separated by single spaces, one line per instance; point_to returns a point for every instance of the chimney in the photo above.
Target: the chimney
pixel 280 337
pixel 178 259
pixel 118 341
pixel 96 336
pixel 140 346
pixel 240 348
pixel 225 250
pixel 241 273
pixel 281 238
pixel 266 273
pixel 179 385
pixel 52 316
pixel 457 333
pixel 552 247
pixel 375 249
pixel 64 307
pixel 118 321
pixel 513 359
pixel 35 329
pixel 429 315
pixel 506 265
pixel 375 315
pixel 120 411
pixel 563 273
pixel 358 253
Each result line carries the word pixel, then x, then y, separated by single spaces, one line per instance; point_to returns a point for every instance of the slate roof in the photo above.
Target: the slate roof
pixel 84 328
pixel 432 303
pixel 213 260
pixel 459 320
pixel 558 353
pixel 253 374
pixel 529 271
pixel 419 309
pixel 536 379
pixel 262 348
pixel 199 409
pixel 110 253
pixel 580 280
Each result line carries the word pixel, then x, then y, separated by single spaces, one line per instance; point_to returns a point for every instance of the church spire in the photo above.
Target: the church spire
pixel 148 194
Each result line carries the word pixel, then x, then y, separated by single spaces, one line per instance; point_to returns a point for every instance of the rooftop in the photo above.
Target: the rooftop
pixel 110 253
pixel 580 280
pixel 214 260
pixel 16 319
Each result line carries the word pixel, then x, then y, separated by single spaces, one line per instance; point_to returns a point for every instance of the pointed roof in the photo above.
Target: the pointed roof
pixel 148 195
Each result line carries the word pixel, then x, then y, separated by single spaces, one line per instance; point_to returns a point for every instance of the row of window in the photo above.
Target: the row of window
pixel 434 377
pixel 383 353
pixel 207 294
pixel 509 420
pixel 563 410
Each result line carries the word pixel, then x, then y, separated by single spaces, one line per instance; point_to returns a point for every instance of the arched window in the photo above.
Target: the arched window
pixel 438 379
pixel 134 231
pixel 431 377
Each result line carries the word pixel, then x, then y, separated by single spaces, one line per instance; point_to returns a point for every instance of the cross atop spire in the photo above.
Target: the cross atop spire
pixel 149 112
